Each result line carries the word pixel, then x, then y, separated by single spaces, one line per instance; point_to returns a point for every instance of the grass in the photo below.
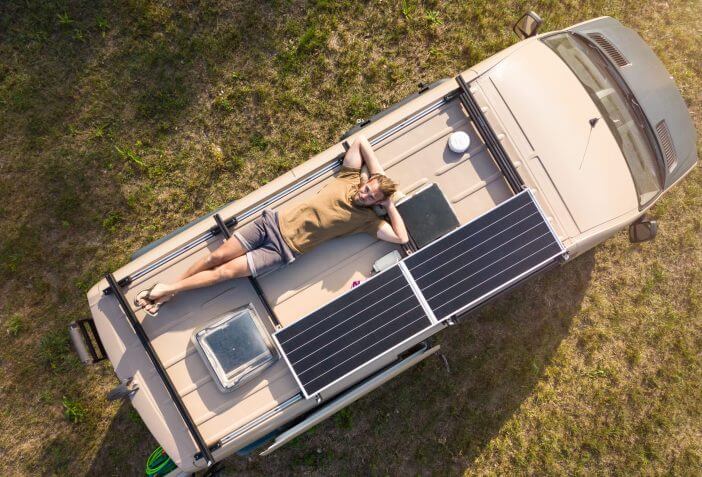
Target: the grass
pixel 73 410
pixel 14 325
pixel 123 120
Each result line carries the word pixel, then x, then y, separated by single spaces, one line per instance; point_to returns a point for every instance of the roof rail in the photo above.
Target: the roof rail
pixel 233 221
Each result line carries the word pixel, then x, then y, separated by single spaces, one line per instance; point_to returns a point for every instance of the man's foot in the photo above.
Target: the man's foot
pixel 152 299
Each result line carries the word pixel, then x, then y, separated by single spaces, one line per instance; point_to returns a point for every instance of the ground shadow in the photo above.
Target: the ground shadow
pixel 114 458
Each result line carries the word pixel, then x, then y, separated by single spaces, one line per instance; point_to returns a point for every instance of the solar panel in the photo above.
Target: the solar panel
pixel 484 256
pixel 354 329
pixel 451 275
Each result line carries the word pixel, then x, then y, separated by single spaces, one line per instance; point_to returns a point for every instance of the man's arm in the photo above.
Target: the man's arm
pixel 395 231
pixel 369 156
pixel 362 152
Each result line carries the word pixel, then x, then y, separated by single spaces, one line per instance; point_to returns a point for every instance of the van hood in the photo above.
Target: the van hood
pixel 553 110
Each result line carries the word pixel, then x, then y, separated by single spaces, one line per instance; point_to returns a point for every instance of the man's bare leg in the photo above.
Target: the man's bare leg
pixel 229 250
pixel 235 268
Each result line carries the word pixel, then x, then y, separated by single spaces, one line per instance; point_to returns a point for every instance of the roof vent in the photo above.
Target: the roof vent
pixel 615 55
pixel 671 159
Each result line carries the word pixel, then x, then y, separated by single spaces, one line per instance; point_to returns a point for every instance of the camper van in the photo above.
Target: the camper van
pixel 568 138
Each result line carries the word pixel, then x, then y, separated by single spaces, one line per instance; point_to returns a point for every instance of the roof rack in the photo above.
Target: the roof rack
pixel 233 221
pixel 222 227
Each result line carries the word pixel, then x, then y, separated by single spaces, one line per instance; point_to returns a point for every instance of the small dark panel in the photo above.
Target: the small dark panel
pixel 474 262
pixel 352 330
pixel 427 215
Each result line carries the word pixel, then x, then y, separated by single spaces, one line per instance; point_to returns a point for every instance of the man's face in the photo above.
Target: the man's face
pixel 368 194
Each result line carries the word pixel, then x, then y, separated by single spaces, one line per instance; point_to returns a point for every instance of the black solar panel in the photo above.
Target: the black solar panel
pixel 484 256
pixel 352 330
pixel 453 274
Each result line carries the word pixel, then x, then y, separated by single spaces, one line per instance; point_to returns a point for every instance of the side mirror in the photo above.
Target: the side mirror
pixel 643 230
pixel 527 26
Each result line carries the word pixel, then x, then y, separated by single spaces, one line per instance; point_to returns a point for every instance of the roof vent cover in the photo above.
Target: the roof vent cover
pixel 615 55
pixel 671 158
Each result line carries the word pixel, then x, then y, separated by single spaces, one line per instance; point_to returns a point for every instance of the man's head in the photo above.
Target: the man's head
pixel 375 190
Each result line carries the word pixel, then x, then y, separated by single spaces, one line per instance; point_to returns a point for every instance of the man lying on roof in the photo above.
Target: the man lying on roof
pixel 342 207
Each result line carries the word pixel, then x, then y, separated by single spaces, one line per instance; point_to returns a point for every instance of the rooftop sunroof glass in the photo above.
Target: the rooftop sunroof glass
pixel 235 347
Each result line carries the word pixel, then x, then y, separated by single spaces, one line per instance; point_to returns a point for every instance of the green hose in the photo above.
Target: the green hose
pixel 159 464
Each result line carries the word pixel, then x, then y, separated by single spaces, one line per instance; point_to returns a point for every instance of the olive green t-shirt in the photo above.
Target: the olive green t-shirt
pixel 329 214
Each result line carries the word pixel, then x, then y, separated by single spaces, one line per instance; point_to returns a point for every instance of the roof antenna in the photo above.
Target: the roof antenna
pixel 592 122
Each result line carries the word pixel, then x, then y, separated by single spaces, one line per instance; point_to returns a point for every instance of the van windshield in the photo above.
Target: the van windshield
pixel 615 105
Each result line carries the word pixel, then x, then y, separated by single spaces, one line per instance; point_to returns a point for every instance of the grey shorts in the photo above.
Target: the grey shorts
pixel 265 248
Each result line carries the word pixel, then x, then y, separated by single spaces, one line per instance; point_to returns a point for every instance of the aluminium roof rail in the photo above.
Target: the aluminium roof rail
pixel 511 174
pixel 233 221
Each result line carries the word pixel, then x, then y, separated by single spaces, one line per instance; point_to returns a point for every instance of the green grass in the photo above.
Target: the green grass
pixel 55 351
pixel 73 410
pixel 14 325
pixel 121 121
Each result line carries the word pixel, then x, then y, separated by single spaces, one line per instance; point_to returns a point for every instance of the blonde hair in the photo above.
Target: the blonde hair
pixel 385 184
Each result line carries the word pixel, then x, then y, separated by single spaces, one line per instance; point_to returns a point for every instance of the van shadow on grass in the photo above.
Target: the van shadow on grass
pixel 125 447
pixel 433 419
